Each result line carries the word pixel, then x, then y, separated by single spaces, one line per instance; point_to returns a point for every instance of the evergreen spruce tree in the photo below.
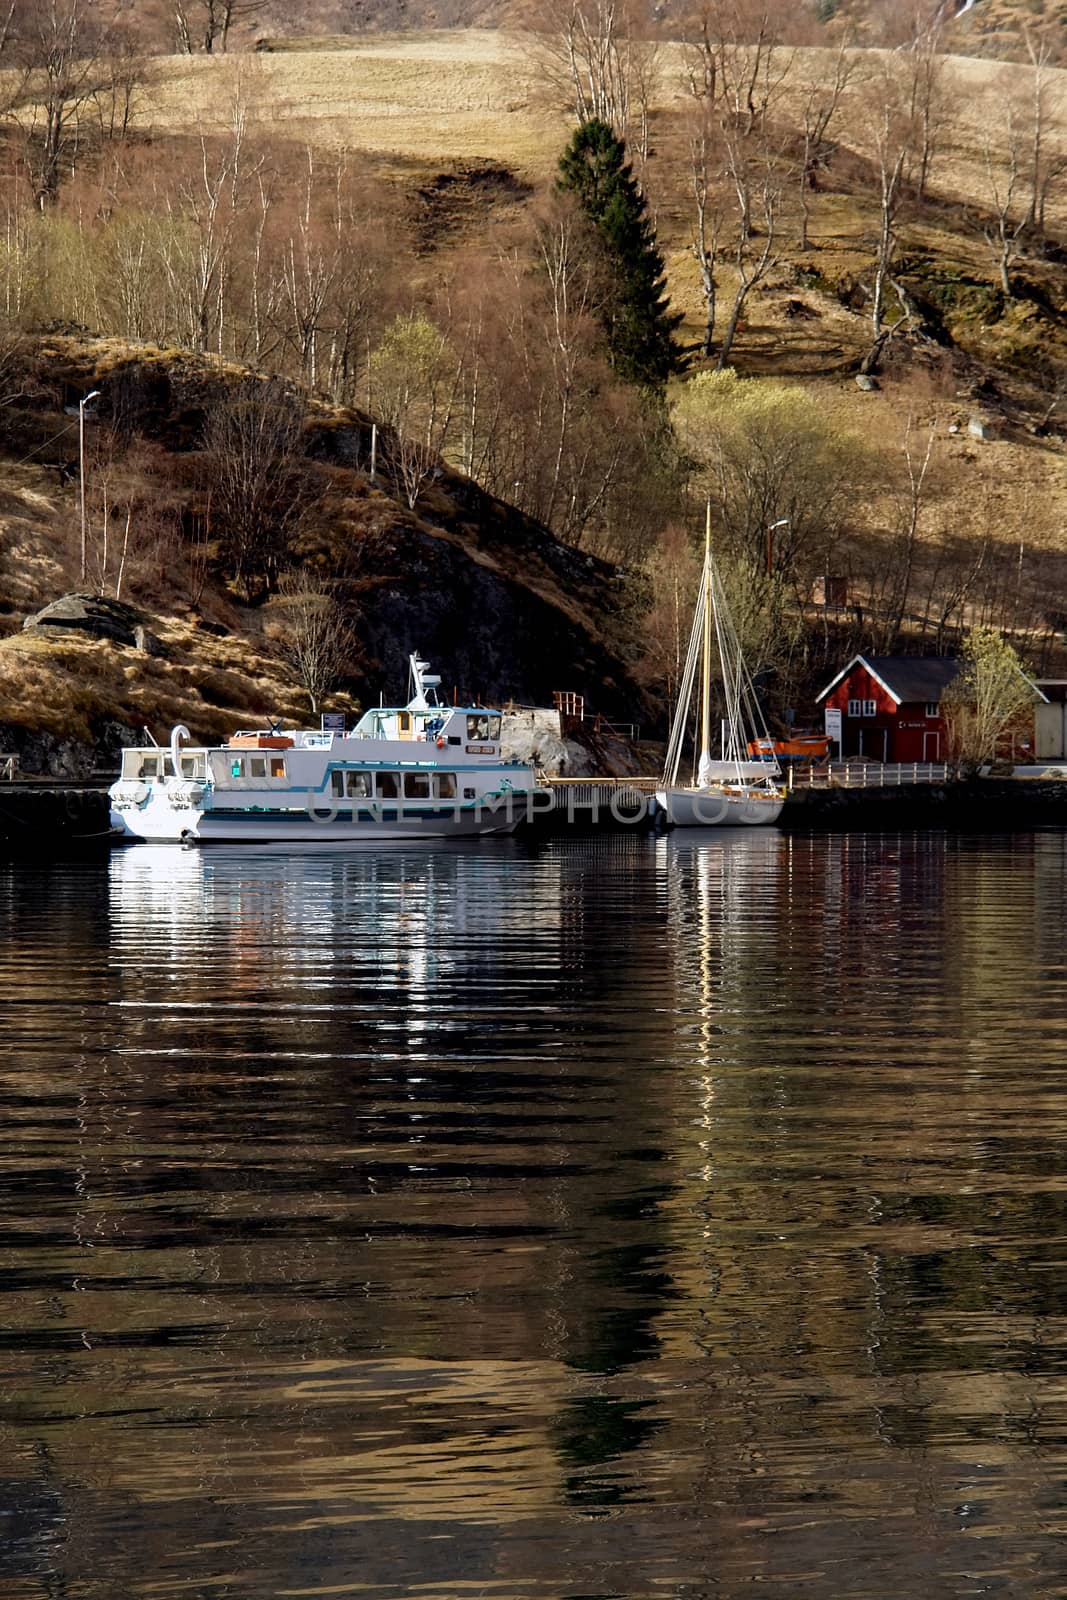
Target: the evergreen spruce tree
pixel 636 316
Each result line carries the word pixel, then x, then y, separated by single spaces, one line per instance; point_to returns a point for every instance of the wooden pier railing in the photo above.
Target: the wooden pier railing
pixel 870 774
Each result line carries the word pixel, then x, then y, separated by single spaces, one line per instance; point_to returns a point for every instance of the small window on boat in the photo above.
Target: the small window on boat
pixel 257 766
pixel 478 727
pixel 277 766
pixel 388 788
pixel 192 766
pixel 445 785
pixel 358 784
pixel 147 767
pixel 168 767
pixel 237 767
pixel 468 794
pixel 337 784
pixel 494 727
pixel 403 723
pixel 416 786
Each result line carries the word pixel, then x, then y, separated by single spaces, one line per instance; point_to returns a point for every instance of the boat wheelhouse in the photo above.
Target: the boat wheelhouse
pixel 423 770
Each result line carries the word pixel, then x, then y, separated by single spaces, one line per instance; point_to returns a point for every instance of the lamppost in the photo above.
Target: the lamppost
pixel 783 522
pixel 94 395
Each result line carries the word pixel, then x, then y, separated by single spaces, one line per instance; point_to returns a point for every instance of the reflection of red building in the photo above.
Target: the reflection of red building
pixel 890 706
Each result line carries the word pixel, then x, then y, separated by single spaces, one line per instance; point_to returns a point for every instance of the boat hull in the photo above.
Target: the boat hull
pixel 160 824
pixel 720 808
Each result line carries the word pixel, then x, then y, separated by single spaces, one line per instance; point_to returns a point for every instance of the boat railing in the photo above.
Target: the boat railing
pixel 606 785
pixel 9 766
pixel 869 774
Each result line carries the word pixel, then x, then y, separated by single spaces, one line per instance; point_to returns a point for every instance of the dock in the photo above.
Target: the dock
pixel 47 816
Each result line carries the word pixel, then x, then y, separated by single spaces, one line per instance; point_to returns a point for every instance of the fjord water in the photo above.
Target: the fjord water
pixel 628 1217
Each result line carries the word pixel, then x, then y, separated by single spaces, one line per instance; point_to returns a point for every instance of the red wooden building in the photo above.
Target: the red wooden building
pixel 889 707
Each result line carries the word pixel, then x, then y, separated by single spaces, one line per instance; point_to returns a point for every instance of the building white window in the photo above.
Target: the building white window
pixel 862 708
pixel 932 708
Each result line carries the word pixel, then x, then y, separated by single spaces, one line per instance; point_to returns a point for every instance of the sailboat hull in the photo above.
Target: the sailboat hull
pixel 720 808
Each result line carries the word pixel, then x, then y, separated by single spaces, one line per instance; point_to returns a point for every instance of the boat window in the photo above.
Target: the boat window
pixel 478 727
pixel 168 767
pixel 133 764
pixel 403 723
pixel 237 766
pixel 257 766
pixel 445 785
pixel 388 787
pixel 416 786
pixel 337 783
pixel 277 766
pixel 358 784
pixel 468 794
pixel 494 727
pixel 193 767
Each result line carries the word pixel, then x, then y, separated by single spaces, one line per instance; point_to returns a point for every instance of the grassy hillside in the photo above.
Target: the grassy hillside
pixel 454 137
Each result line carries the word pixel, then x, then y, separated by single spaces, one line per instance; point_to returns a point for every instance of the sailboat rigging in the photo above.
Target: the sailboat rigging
pixel 728 791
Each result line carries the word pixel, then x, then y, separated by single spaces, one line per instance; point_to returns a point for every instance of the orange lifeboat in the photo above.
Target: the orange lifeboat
pixel 801 747
pixel 258 741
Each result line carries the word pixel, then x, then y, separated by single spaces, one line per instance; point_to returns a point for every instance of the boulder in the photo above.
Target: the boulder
pixel 533 735
pixel 95 615
pixel 865 382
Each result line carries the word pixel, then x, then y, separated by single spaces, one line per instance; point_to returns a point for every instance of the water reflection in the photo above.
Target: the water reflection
pixel 637 1216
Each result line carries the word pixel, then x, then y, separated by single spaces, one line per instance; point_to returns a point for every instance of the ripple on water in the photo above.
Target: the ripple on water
pixel 621 1217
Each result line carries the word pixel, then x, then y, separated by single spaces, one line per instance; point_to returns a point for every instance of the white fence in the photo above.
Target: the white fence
pixel 872 774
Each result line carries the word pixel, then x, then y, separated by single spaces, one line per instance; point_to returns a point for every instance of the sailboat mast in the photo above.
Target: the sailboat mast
pixel 705 673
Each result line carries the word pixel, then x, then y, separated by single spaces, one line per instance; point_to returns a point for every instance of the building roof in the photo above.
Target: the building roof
pixel 906 679
pixel 911 679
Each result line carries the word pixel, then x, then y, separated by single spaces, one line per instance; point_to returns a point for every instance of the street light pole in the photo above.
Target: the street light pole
pixel 783 522
pixel 81 470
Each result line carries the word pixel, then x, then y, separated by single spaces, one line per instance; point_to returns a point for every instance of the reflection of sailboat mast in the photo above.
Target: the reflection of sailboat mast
pixel 705 1002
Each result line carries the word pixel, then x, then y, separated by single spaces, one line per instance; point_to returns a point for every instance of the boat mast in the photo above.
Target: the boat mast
pixel 705 673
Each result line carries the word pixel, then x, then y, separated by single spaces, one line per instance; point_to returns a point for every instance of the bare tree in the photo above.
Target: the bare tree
pixel 416 391
pixel 911 503
pixel 201 24
pixel 65 52
pixel 599 60
pixel 892 137
pixel 735 70
pixel 704 169
pixel 759 191
pixel 822 99
pixel 1047 163
pixel 252 439
pixel 925 78
pixel 316 638
pixel 1006 224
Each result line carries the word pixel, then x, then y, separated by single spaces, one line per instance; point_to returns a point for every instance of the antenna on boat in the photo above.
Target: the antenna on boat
pixel 423 683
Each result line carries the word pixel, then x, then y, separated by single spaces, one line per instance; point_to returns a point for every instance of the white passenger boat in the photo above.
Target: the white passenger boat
pixel 420 771
pixel 729 791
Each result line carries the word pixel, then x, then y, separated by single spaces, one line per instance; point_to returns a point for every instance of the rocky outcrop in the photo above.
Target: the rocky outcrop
pixel 44 754
pixel 97 617
pixel 534 736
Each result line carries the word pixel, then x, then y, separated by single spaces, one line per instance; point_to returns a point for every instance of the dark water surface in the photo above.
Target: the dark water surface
pixel 625 1218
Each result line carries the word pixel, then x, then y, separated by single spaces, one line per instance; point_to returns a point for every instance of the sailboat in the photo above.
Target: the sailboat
pixel 727 791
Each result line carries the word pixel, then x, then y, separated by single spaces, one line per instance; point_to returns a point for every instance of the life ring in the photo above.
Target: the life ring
pixel 440 744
